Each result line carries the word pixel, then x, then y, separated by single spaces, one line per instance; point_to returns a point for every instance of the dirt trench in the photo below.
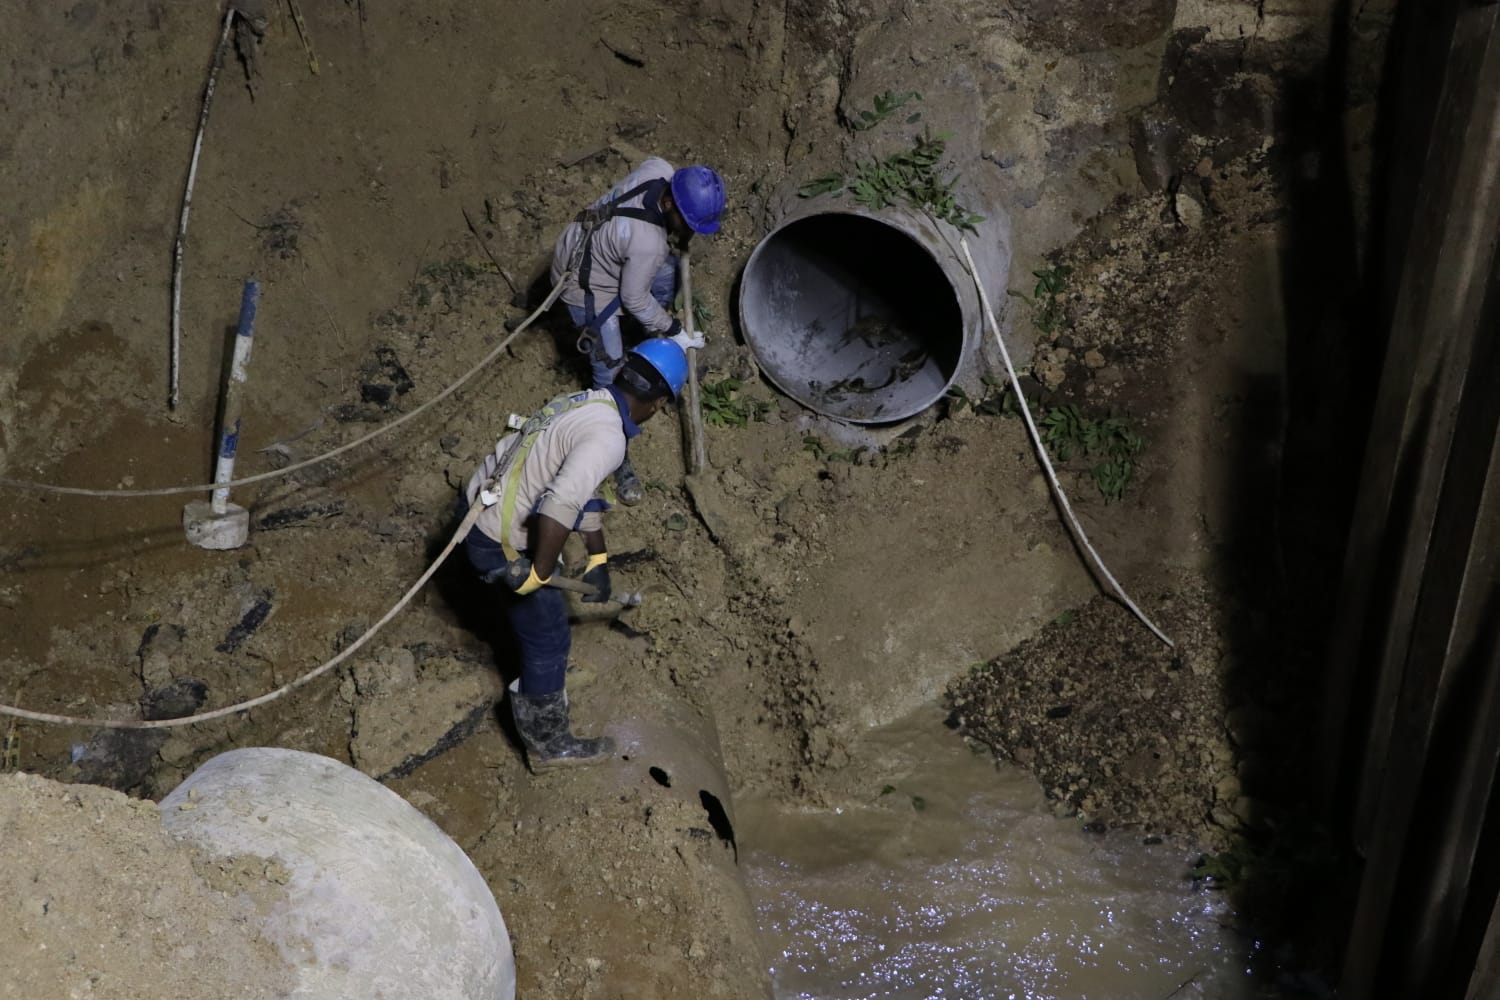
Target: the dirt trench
pixel 1146 161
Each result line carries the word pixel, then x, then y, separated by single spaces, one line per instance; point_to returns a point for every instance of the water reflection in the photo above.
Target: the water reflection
pixel 935 875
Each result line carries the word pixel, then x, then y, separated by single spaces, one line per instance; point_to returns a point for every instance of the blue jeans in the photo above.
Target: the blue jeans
pixel 611 344
pixel 539 620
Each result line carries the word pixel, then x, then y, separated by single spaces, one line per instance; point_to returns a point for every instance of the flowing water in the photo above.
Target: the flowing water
pixel 940 875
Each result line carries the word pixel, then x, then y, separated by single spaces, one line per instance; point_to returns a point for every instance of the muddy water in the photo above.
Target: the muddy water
pixel 938 875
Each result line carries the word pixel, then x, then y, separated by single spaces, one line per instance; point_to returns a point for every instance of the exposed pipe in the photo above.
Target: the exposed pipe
pixel 867 316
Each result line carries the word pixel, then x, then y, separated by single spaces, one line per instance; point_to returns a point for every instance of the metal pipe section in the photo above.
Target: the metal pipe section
pixel 868 317
pixel 229 428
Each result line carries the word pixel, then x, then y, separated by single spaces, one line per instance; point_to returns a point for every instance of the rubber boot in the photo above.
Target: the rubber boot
pixel 542 721
pixel 627 484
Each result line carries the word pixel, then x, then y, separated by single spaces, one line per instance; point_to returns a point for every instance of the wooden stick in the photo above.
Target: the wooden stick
pixel 187 206
pixel 312 59
pixel 493 259
pixel 695 411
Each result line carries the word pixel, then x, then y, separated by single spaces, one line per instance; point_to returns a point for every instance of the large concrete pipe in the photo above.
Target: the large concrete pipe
pixel 868 316
pixel 380 902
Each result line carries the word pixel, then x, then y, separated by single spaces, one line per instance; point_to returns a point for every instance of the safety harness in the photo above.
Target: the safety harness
pixel 581 260
pixel 498 478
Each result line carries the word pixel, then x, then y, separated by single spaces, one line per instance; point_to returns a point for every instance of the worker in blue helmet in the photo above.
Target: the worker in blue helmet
pixel 616 259
pixel 544 480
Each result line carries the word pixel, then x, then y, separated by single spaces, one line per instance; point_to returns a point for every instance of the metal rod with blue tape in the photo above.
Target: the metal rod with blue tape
pixel 229 428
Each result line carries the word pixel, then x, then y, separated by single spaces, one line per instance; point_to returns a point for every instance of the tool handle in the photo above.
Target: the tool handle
pixel 577 586
pixel 695 409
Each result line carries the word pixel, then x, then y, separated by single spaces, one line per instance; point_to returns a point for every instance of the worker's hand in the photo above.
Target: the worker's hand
pixel 597 573
pixel 521 577
pixel 687 340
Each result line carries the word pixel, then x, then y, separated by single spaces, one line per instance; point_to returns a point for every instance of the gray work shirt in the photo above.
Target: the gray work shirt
pixel 627 253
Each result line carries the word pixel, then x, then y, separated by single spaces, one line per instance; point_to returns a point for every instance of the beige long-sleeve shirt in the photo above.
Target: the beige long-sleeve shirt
pixel 627 253
pixel 563 471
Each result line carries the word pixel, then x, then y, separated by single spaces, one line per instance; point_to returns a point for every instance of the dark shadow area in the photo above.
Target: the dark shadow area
pixel 718 818
pixel 660 776
pixel 1297 567
pixel 1446 935
pixel 1300 445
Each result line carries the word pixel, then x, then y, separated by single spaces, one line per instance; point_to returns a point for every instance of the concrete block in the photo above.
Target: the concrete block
pixel 209 530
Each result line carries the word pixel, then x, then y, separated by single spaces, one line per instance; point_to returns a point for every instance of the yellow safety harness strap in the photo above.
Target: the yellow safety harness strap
pixel 512 475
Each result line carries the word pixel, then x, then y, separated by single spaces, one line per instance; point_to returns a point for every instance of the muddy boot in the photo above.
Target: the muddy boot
pixel 628 484
pixel 542 721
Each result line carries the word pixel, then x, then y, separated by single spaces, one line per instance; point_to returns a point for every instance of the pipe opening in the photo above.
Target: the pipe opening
pixel 852 317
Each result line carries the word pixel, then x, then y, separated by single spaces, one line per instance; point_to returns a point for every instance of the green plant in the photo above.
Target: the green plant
pixel 1067 432
pixel 907 176
pixel 1046 296
pixel 1218 870
pixel 996 399
pixel 886 104
pixel 826 184
pixel 703 313
pixel 724 407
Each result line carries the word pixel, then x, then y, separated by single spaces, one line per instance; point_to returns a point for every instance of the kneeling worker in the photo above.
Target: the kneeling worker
pixel 540 485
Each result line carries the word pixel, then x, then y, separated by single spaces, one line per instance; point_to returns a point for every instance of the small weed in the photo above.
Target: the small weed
pixel 1066 618
pixel 703 313
pixel 814 446
pixel 887 789
pixel 1067 432
pixel 886 104
pixel 1218 870
pixel 918 803
pixel 827 184
pixel 996 400
pixel 724 407
pixel 1046 297
pixel 907 176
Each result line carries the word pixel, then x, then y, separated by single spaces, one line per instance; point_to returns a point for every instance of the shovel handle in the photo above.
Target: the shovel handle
pixel 695 409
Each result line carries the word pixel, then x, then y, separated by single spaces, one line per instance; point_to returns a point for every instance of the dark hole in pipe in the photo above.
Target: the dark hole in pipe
pixel 718 818
pixel 660 777
pixel 852 317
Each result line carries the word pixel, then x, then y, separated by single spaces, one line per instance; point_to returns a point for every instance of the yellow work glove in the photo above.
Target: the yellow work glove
pixel 597 574
pixel 533 582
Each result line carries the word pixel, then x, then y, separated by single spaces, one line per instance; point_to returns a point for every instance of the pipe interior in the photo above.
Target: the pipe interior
pixel 852 317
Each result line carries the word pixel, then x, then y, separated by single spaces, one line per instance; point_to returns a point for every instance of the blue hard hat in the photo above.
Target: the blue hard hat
pixel 668 358
pixel 699 194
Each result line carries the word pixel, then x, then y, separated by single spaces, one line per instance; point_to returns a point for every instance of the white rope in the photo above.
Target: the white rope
pixel 23 484
pixel 270 696
pixel 187 205
pixel 244 706
pixel 1041 451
